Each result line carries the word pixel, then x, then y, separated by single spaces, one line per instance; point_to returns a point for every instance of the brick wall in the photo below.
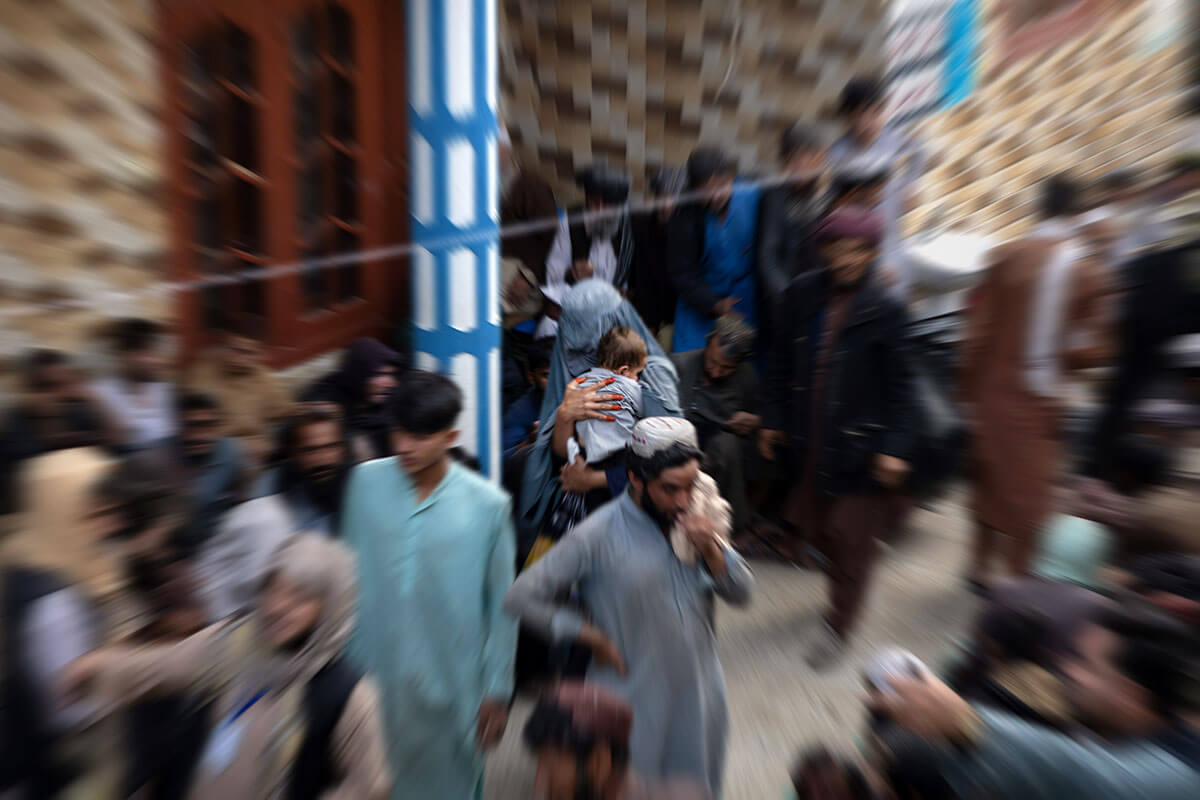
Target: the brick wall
pixel 640 82
pixel 81 216
pixel 1091 96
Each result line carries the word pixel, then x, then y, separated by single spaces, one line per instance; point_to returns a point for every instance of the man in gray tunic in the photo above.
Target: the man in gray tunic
pixel 651 613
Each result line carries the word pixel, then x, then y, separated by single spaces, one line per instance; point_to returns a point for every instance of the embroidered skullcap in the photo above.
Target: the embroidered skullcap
pixel 655 434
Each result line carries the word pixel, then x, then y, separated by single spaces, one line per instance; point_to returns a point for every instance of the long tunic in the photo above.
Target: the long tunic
pixel 729 268
pixel 659 613
pixel 1015 446
pixel 432 577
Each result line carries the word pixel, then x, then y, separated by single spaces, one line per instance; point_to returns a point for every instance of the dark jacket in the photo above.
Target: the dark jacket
pixel 685 257
pixel 786 247
pixel 869 397
pixel 653 292
pixel 1161 303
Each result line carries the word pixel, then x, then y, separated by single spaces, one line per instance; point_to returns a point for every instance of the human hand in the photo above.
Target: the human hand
pixel 889 471
pixel 580 403
pixel 725 306
pixel 702 533
pixel 768 442
pixel 924 706
pixel 579 478
pixel 532 438
pixel 78 678
pixel 744 423
pixel 605 652
pixel 491 724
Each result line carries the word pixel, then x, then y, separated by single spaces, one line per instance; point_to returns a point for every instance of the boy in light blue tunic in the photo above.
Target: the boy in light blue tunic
pixel 436 553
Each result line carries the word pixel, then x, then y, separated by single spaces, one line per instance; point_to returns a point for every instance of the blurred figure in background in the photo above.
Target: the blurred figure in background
pixel 788 220
pixel 719 392
pixel 653 291
pixel 52 412
pixel 212 466
pixel 252 399
pixel 712 247
pixel 1126 202
pixel 526 201
pixel 137 402
pixel 840 397
pixel 600 247
pixel 579 736
pixel 1161 302
pixel 436 553
pixel 819 775
pixel 1130 680
pixel 520 422
pixel 293 717
pixel 311 470
pixel 1039 312
pixel 63 593
pixel 870 145
pixel 363 387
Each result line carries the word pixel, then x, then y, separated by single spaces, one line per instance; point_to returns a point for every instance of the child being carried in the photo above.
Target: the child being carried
pixel 621 355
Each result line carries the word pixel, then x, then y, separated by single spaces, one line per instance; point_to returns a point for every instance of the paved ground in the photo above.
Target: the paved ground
pixel 777 704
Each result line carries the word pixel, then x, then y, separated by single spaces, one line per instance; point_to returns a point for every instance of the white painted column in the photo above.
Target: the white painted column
pixel 455 208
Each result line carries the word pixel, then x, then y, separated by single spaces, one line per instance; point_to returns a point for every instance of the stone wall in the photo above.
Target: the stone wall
pixel 81 168
pixel 1099 96
pixel 640 82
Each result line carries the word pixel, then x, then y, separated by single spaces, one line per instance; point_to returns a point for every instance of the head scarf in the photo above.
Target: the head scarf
pixel 589 310
pixel 348 387
pixel 325 569
pixel 52 532
pixel 362 359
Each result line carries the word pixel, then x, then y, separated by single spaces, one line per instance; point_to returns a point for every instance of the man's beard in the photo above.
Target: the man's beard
pixel 197 458
pixel 324 489
pixel 664 521
pixel 603 227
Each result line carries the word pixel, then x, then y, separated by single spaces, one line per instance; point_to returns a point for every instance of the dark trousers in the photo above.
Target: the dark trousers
pixel 848 530
pixel 166 738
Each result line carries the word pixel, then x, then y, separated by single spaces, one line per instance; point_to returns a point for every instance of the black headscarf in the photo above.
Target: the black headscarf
pixel 348 388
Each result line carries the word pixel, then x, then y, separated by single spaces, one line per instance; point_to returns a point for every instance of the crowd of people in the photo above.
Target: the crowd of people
pixel 216 585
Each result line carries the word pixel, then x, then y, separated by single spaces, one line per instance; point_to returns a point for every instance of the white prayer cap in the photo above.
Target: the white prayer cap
pixel 655 434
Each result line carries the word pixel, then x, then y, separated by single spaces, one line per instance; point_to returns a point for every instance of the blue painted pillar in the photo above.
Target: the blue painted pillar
pixel 455 215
